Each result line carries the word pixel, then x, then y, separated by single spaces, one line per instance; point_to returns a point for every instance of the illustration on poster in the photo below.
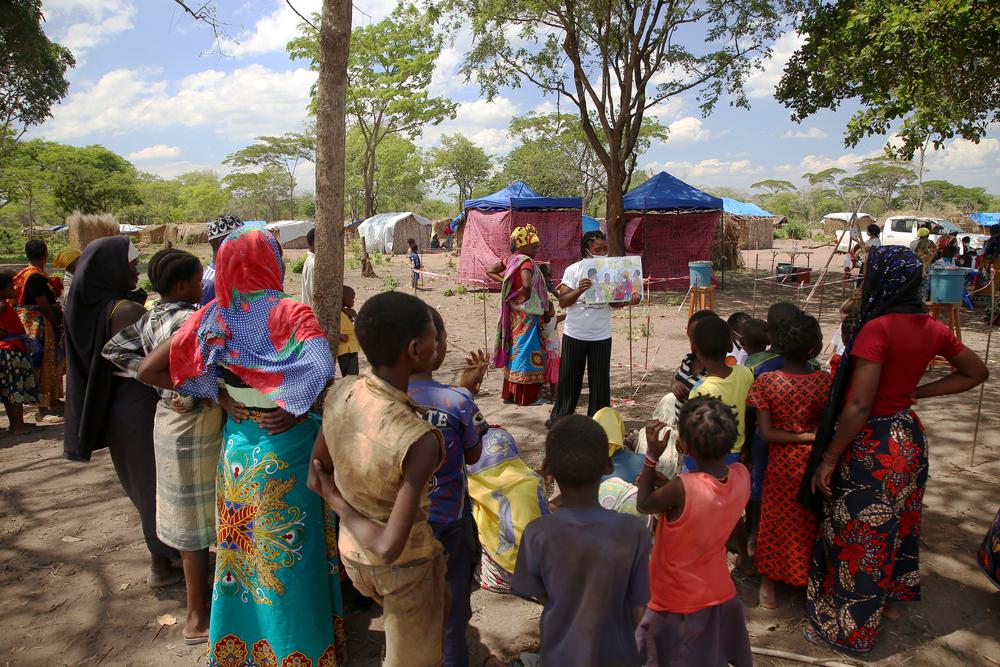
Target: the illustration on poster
pixel 615 279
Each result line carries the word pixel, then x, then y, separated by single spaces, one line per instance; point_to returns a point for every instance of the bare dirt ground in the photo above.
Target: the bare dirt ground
pixel 73 564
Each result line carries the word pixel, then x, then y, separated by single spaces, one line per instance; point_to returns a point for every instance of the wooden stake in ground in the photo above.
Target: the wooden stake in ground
pixel 630 346
pixel 649 331
pixel 756 265
pixel 331 91
pixel 486 342
pixel 986 360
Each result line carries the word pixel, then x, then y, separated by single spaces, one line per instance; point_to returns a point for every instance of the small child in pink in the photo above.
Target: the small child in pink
pixel 551 341
pixel 694 616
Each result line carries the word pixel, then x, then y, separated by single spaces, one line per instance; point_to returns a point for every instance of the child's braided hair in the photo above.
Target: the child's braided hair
pixel 708 426
pixel 171 266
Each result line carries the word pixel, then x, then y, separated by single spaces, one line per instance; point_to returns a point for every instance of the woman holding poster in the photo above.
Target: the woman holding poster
pixel 586 341
pixel 523 300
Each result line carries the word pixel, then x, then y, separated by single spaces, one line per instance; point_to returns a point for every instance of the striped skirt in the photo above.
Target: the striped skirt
pixel 187 461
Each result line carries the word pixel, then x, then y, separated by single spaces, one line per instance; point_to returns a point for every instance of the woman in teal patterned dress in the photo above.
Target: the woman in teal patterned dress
pixel 276 599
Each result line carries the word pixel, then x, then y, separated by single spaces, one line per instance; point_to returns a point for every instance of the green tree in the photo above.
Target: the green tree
pixel 201 197
pixel 772 186
pixel 399 177
pixel 458 162
pixel 885 178
pixel 90 179
pixel 25 180
pixel 32 70
pixel 616 60
pixel 390 68
pixel 257 194
pixel 159 198
pixel 283 153
pixel 943 195
pixel 924 65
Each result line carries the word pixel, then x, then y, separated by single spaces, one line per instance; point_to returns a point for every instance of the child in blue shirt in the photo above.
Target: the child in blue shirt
pixel 455 414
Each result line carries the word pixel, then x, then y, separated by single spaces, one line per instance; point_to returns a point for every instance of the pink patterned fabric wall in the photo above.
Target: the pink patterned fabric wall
pixel 486 240
pixel 669 241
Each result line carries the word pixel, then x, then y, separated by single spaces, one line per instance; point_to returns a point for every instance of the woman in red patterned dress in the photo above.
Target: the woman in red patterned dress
pixel 789 404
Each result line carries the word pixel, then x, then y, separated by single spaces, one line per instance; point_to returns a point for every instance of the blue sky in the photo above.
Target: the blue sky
pixel 150 85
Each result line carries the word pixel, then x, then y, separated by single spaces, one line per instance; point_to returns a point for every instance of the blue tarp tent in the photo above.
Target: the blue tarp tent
pixel 985 219
pixel 589 224
pixel 518 195
pixel 663 192
pixel 736 207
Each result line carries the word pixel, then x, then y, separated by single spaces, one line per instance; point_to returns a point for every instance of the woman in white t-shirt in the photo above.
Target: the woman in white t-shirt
pixel 586 339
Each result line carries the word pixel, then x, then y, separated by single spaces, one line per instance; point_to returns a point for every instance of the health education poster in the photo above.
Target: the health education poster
pixel 615 279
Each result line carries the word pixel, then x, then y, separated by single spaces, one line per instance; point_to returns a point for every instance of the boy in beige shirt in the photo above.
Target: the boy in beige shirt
pixel 381 454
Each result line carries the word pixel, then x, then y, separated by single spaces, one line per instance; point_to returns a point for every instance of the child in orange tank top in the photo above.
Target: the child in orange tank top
pixel 694 615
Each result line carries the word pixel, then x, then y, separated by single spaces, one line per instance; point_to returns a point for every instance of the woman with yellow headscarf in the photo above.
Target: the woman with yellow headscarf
pixel 524 299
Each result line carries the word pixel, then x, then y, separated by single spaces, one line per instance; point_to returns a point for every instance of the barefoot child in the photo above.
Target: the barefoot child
pixel 373 463
pixel 187 434
pixel 730 384
pixel 17 378
pixel 453 412
pixel 593 598
pixel 415 264
pixel 789 404
pixel 347 351
pixel 695 616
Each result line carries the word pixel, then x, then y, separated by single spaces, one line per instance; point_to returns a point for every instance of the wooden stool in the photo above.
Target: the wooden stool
pixel 950 314
pixel 702 298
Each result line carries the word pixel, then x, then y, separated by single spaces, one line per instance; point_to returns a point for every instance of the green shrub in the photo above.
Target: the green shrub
pixel 451 263
pixel 353 263
pixel 797 231
pixel 389 283
pixel 146 285
pixel 299 264
pixel 461 289
pixel 354 250
pixel 780 233
pixel 449 292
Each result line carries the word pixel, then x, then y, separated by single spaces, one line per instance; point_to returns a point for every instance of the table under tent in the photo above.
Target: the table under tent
pixel 489 221
pixel 670 223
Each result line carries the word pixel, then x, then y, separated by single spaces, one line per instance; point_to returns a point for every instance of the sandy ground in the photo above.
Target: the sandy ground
pixel 73 564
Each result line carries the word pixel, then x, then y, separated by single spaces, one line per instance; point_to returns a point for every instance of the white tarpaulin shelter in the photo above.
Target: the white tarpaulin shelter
pixel 291 233
pixel 387 232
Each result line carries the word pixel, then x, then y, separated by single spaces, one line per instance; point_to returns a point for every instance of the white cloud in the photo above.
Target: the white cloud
pixel 446 78
pixel 89 22
pixel 688 130
pixel 848 161
pixel 155 152
pixel 240 104
pixel 762 82
pixel 668 110
pixel 964 155
pixel 482 121
pixel 807 133
pixel 704 169
pixel 273 31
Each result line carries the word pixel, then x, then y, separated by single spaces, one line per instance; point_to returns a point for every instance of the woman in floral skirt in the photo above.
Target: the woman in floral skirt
pixel 870 456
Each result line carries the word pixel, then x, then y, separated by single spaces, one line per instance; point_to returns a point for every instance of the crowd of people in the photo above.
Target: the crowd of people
pixel 227 430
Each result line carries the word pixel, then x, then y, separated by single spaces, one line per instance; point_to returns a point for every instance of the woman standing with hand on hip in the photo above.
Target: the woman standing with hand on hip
pixel 872 455
pixel 524 299
pixel 586 340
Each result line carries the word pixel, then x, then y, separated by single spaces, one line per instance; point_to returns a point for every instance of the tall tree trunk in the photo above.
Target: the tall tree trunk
pixel 369 177
pixel 920 176
pixel 615 211
pixel 291 196
pixel 331 130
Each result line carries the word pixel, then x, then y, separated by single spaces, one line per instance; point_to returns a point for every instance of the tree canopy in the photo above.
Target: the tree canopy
pixel 615 61
pixel 32 70
pixel 282 153
pixel 389 70
pixel 460 163
pixel 930 66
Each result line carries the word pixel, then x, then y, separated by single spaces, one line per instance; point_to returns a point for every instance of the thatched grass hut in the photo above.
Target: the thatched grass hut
pixel 154 234
pixel 86 228
pixel 192 234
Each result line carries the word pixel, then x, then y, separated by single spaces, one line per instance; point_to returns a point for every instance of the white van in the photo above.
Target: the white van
pixel 902 230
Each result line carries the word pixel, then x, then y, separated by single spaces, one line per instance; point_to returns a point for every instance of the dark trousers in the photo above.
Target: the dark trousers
pixel 595 355
pixel 130 442
pixel 349 364
pixel 460 540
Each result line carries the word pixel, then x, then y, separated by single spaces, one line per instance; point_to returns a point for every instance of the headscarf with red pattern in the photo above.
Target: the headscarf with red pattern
pixel 270 341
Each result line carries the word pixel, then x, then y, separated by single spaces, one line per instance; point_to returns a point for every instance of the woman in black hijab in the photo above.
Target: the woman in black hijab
pixel 870 456
pixel 103 407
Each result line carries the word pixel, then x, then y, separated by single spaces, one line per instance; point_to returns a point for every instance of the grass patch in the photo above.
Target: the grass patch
pixel 299 264
pixel 389 283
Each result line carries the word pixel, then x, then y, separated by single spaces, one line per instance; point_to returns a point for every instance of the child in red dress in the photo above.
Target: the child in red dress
pixel 789 404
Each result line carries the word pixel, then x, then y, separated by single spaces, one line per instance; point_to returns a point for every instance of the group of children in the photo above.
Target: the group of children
pixel 408 540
